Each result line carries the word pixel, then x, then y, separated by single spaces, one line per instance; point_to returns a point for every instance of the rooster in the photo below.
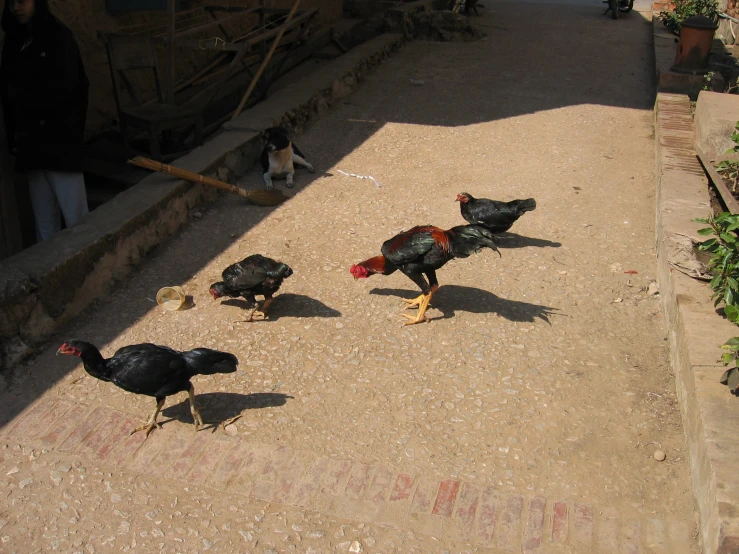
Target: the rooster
pixel 497 216
pixel 421 251
pixel 256 274
pixel 152 370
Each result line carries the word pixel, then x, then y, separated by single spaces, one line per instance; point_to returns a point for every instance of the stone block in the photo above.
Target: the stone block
pixel 716 116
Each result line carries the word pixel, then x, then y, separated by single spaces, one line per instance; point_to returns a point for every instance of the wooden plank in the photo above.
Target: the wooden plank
pixel 214 23
pixel 227 8
pixel 211 44
pixel 265 62
pixel 715 176
pixel 296 20
pixel 314 43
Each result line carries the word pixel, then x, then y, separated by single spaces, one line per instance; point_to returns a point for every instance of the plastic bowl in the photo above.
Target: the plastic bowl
pixel 171 298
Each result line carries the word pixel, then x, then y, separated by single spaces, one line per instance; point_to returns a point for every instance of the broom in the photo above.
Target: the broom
pixel 257 197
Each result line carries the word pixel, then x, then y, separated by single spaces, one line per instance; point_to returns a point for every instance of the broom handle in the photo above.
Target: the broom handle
pixel 194 177
pixel 219 184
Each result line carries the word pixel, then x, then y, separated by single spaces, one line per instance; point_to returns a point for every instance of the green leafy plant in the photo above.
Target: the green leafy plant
pixel 724 263
pixel 707 78
pixel 730 168
pixel 732 351
pixel 685 8
pixel 735 138
pixel 731 375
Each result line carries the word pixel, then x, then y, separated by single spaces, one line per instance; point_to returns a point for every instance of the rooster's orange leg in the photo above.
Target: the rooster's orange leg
pixel 421 317
pixel 151 424
pixel 417 301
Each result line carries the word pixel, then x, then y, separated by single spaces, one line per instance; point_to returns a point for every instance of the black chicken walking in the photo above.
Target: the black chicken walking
pixel 253 275
pixel 152 370
pixel 494 215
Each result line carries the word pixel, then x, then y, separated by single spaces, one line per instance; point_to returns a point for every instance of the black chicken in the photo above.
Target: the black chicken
pixel 256 274
pixel 152 370
pixel 422 250
pixel 497 216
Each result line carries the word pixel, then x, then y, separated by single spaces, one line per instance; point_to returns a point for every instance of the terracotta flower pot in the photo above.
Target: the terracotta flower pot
pixel 694 47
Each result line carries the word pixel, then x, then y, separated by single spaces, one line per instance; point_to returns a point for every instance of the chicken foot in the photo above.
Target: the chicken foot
pixel 256 310
pixel 151 423
pixel 265 305
pixel 421 316
pixel 415 302
pixel 197 419
pixel 250 317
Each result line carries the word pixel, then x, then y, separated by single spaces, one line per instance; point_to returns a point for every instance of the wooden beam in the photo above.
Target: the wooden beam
pixel 214 23
pixel 228 8
pixel 266 60
pixel 211 44
pixel 169 79
pixel 289 24
pixel 315 42
pixel 731 203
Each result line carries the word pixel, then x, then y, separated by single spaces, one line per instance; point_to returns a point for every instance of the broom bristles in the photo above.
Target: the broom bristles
pixel 257 197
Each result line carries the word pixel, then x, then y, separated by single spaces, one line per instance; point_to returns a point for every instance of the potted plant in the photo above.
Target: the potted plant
pixel 685 8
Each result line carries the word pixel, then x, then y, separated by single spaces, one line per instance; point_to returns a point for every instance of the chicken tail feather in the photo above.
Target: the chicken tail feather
pixel 527 205
pixel 205 361
pixel 470 239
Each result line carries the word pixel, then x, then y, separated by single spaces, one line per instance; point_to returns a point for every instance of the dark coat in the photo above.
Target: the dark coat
pixel 44 92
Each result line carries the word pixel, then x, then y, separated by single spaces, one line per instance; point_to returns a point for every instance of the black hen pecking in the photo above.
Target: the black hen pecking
pixel 152 370
pixel 497 216
pixel 256 274
pixel 422 250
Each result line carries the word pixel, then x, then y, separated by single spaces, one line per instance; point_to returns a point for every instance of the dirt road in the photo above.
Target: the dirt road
pixel 523 417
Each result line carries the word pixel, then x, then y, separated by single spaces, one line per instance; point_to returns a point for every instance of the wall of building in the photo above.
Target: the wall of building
pixel 88 18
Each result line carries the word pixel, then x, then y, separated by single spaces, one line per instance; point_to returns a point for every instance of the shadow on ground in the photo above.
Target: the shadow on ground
pixel 512 240
pixel 536 57
pixel 450 299
pixel 287 305
pixel 217 407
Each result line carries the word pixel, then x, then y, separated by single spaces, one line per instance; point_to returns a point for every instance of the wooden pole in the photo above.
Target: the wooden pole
pixel 170 77
pixel 266 60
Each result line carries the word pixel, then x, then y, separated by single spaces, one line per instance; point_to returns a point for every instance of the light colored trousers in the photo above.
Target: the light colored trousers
pixel 52 192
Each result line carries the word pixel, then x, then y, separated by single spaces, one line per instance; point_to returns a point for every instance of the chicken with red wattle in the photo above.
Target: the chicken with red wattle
pixel 152 370
pixel 421 251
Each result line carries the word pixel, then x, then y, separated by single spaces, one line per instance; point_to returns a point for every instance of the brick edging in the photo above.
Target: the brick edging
pixel 450 508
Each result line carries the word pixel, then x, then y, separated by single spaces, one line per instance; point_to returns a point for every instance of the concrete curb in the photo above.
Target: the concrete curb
pixel 696 332
pixel 48 284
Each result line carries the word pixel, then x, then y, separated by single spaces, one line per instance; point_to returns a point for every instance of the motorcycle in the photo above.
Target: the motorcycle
pixel 617 7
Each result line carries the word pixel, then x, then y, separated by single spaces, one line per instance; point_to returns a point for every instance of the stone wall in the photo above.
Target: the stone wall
pixel 724 31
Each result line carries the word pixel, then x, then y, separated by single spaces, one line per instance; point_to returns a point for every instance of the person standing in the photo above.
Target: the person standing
pixel 44 91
